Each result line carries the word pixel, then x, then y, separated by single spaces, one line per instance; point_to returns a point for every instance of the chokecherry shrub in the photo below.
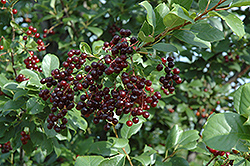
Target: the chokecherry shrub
pixel 124 83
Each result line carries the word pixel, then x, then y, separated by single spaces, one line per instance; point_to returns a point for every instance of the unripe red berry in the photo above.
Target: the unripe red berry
pixel 129 123
pixel 14 11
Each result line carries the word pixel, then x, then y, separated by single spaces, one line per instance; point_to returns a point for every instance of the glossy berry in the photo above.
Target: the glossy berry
pixel 25 37
pixel 129 123
pixel 3 1
pixel 14 11
pixel 159 67
pixel 176 71
pixel 1 47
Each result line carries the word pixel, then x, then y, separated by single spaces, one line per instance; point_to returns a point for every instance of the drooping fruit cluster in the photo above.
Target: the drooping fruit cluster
pixel 113 29
pixel 6 147
pixel 64 84
pixel 171 75
pixel 21 78
pixel 31 62
pixel 135 97
pixel 25 137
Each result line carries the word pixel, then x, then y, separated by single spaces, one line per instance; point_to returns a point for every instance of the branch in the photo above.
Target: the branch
pixel 239 74
pixel 163 34
pixel 13 39
pixel 165 159
pixel 116 135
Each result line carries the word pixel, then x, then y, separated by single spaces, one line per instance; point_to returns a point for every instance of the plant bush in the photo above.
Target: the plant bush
pixel 124 82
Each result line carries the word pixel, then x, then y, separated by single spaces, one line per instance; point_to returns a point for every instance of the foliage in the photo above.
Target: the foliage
pixel 204 120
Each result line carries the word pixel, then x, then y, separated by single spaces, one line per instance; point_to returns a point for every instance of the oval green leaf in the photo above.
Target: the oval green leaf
pixel 165 47
pixel 49 63
pixel 88 160
pixel 242 100
pixel 225 129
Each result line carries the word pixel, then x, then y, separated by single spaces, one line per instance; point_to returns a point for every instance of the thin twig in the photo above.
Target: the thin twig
pixel 13 39
pixel 163 34
pixel 116 135
pixel 165 159
pixel 210 161
pixel 239 74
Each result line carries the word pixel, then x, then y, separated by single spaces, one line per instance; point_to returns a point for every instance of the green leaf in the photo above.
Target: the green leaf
pixel 176 17
pixel 14 105
pixel 160 12
pixel 49 63
pixel 188 139
pixel 190 38
pixel 20 93
pixel 184 3
pixel 34 106
pixel 75 119
pixel 146 29
pixel 127 132
pixel 97 31
pixel 174 136
pixel 225 129
pixel 242 100
pixel 34 79
pixel 150 13
pixel 239 3
pixel 177 161
pixel 14 25
pixel 97 47
pixel 235 24
pixel 118 142
pixel 145 160
pixel 53 3
pixel 3 80
pixel 207 55
pixel 118 160
pixel 103 148
pixel 206 32
pixel 88 160
pixel 145 38
pixel 84 47
pixel 165 47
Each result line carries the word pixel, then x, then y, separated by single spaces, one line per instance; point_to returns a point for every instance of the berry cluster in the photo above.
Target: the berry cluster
pixel 6 147
pixel 32 31
pixel 46 32
pixel 171 75
pixel 31 62
pixel 21 78
pixel 113 29
pixel 25 137
pixel 217 153
pixel 64 84
pixel 104 102
pixel 230 57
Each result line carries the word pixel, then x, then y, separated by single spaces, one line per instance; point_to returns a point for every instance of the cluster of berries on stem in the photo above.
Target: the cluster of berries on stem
pixel 21 78
pixel 31 62
pixel 25 137
pixel 5 147
pixel 133 97
pixel 171 75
